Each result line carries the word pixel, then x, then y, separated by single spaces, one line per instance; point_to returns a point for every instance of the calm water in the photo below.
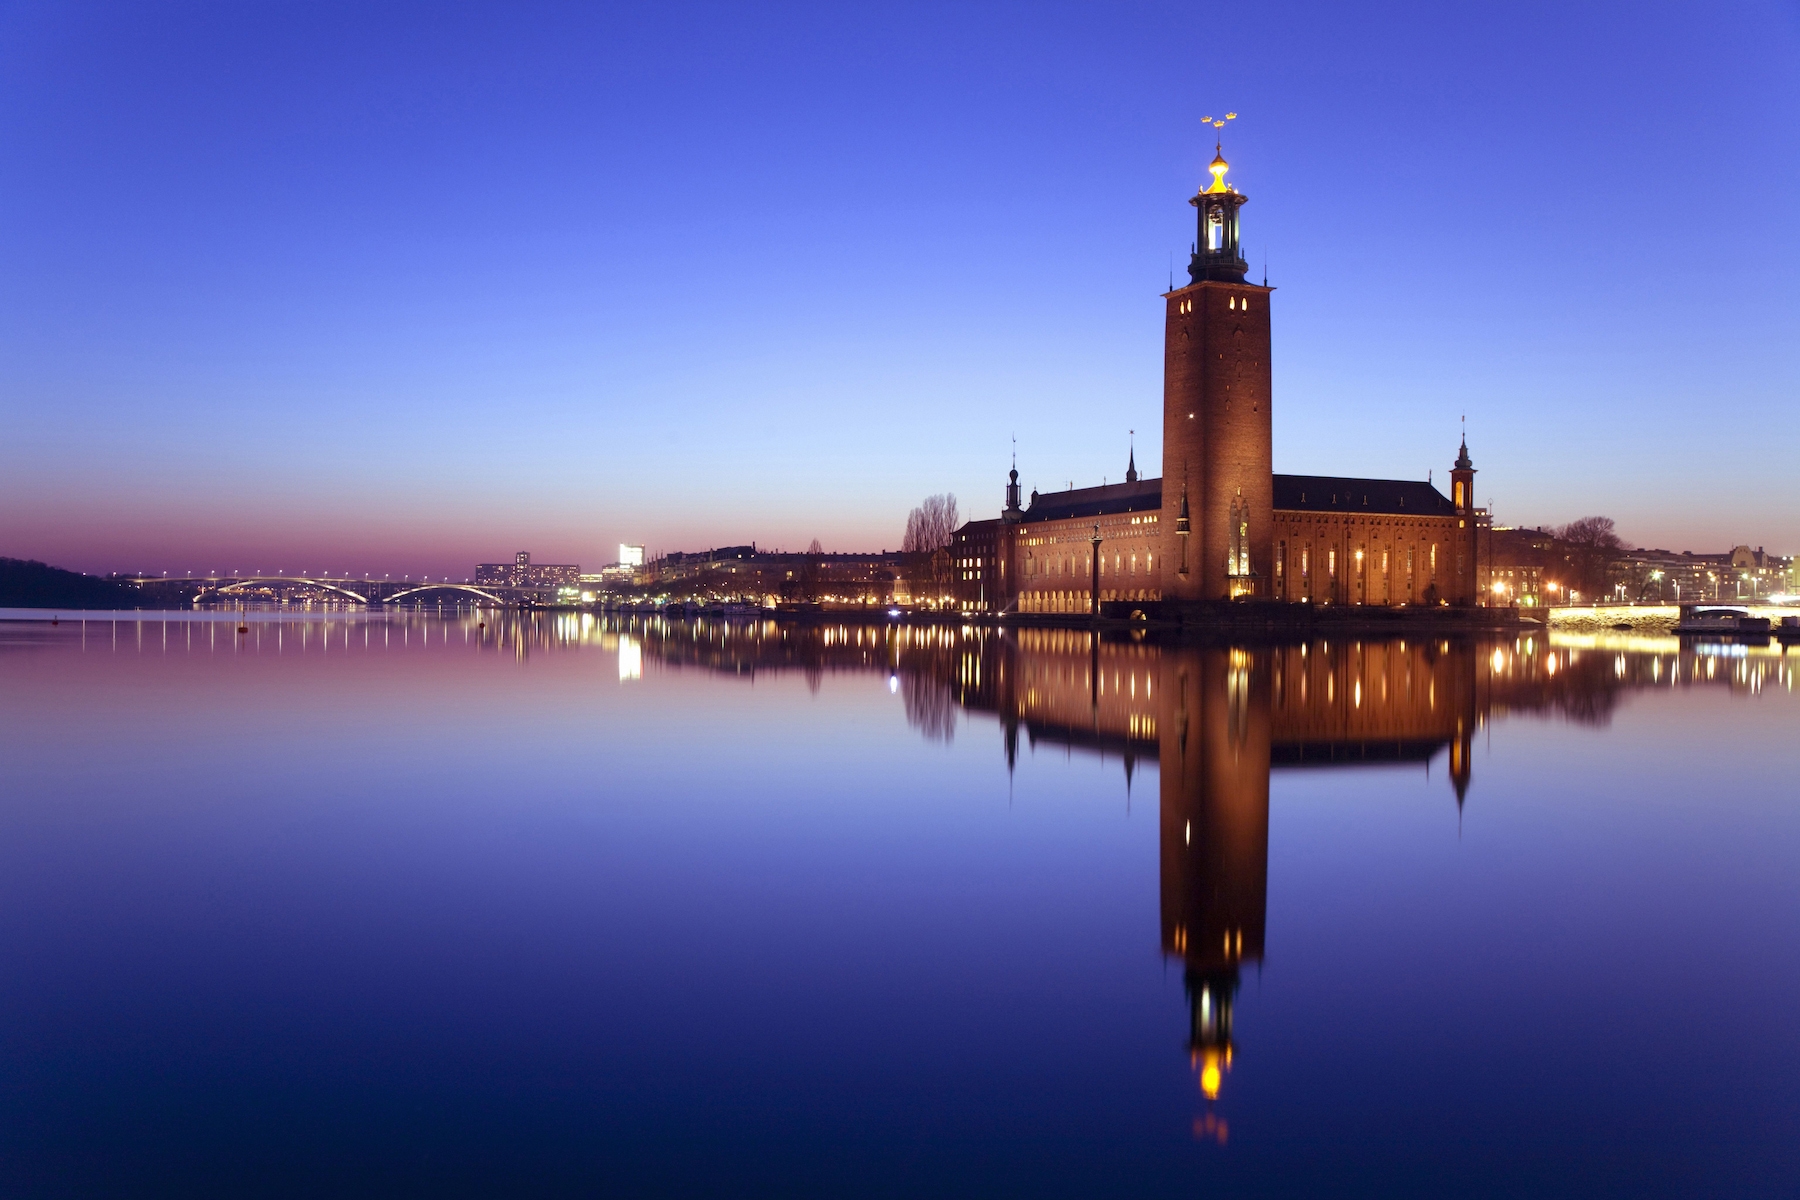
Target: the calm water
pixel 563 907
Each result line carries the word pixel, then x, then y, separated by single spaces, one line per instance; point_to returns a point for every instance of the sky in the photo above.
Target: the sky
pixel 392 288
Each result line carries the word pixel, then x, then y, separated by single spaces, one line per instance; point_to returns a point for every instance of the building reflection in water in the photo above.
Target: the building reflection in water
pixel 1217 719
pixel 1214 829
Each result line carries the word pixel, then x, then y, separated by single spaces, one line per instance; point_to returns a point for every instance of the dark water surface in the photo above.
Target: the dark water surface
pixel 404 906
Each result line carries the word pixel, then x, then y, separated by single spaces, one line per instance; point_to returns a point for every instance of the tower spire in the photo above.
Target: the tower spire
pixel 1462 498
pixel 1216 252
pixel 1131 472
pixel 1012 511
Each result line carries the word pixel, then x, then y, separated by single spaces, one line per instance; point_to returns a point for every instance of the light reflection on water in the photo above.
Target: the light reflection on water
pixel 503 900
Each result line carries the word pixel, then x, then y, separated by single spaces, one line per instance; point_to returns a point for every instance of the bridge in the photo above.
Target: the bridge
pixel 1655 615
pixel 199 589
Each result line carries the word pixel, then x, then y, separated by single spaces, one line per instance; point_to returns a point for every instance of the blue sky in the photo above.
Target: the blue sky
pixel 387 287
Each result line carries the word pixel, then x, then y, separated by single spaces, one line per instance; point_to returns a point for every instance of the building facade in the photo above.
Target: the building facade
pixel 522 572
pixel 1220 525
pixel 1662 576
pixel 759 576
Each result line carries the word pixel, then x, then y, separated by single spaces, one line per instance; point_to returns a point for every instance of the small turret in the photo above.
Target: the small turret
pixel 1466 588
pixel 1012 511
pixel 1131 474
pixel 1462 480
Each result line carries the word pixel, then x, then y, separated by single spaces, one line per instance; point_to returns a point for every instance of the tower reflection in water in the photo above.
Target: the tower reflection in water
pixel 1219 720
pixel 1214 818
pixel 1229 716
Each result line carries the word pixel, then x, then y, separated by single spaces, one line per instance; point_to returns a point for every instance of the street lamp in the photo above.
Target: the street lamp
pixel 1094 583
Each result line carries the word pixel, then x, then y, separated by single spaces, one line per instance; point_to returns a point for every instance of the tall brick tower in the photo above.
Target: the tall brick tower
pixel 1218 484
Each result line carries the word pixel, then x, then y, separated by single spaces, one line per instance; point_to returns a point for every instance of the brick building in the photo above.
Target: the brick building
pixel 1220 525
pixel 1527 567
pixel 522 572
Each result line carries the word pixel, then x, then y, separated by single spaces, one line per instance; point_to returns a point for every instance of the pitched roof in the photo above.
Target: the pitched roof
pixel 1333 493
pixel 1143 496
pixel 1293 493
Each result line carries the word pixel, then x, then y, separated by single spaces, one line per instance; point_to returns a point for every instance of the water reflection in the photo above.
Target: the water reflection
pixel 1216 723
pixel 1218 720
pixel 1057 684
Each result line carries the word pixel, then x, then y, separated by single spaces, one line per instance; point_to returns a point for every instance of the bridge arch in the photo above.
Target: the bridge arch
pixel 470 589
pixel 288 579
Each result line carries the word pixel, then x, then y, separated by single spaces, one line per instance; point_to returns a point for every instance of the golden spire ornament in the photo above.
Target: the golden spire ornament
pixel 1218 166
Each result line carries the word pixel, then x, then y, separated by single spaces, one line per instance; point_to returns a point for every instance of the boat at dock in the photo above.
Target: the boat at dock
pixel 1714 620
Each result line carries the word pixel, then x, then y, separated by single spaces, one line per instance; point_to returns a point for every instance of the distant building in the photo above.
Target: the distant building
pixel 1522 566
pixel 630 556
pixel 1739 574
pixel 522 572
pixel 749 574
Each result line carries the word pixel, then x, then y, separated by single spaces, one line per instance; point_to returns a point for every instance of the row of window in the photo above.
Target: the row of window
pixel 1079 601
pixel 1361 561
pixel 1185 305
pixel 1122 563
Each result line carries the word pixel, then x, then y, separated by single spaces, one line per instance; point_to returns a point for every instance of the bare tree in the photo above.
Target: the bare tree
pixel 1587 546
pixel 929 526
pixel 926 544
pixel 810 572
pixel 1597 532
pixel 930 706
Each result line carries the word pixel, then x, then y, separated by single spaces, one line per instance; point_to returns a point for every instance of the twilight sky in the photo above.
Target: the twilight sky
pixel 399 288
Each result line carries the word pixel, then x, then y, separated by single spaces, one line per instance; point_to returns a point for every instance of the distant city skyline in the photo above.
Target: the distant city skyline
pixel 409 289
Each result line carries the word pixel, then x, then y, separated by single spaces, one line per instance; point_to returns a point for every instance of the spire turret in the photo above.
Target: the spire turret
pixel 1217 169
pixel 1467 586
pixel 1216 252
pixel 1131 472
pixel 1462 479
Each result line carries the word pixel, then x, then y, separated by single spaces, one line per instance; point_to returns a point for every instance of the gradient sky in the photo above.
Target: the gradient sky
pixel 400 288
